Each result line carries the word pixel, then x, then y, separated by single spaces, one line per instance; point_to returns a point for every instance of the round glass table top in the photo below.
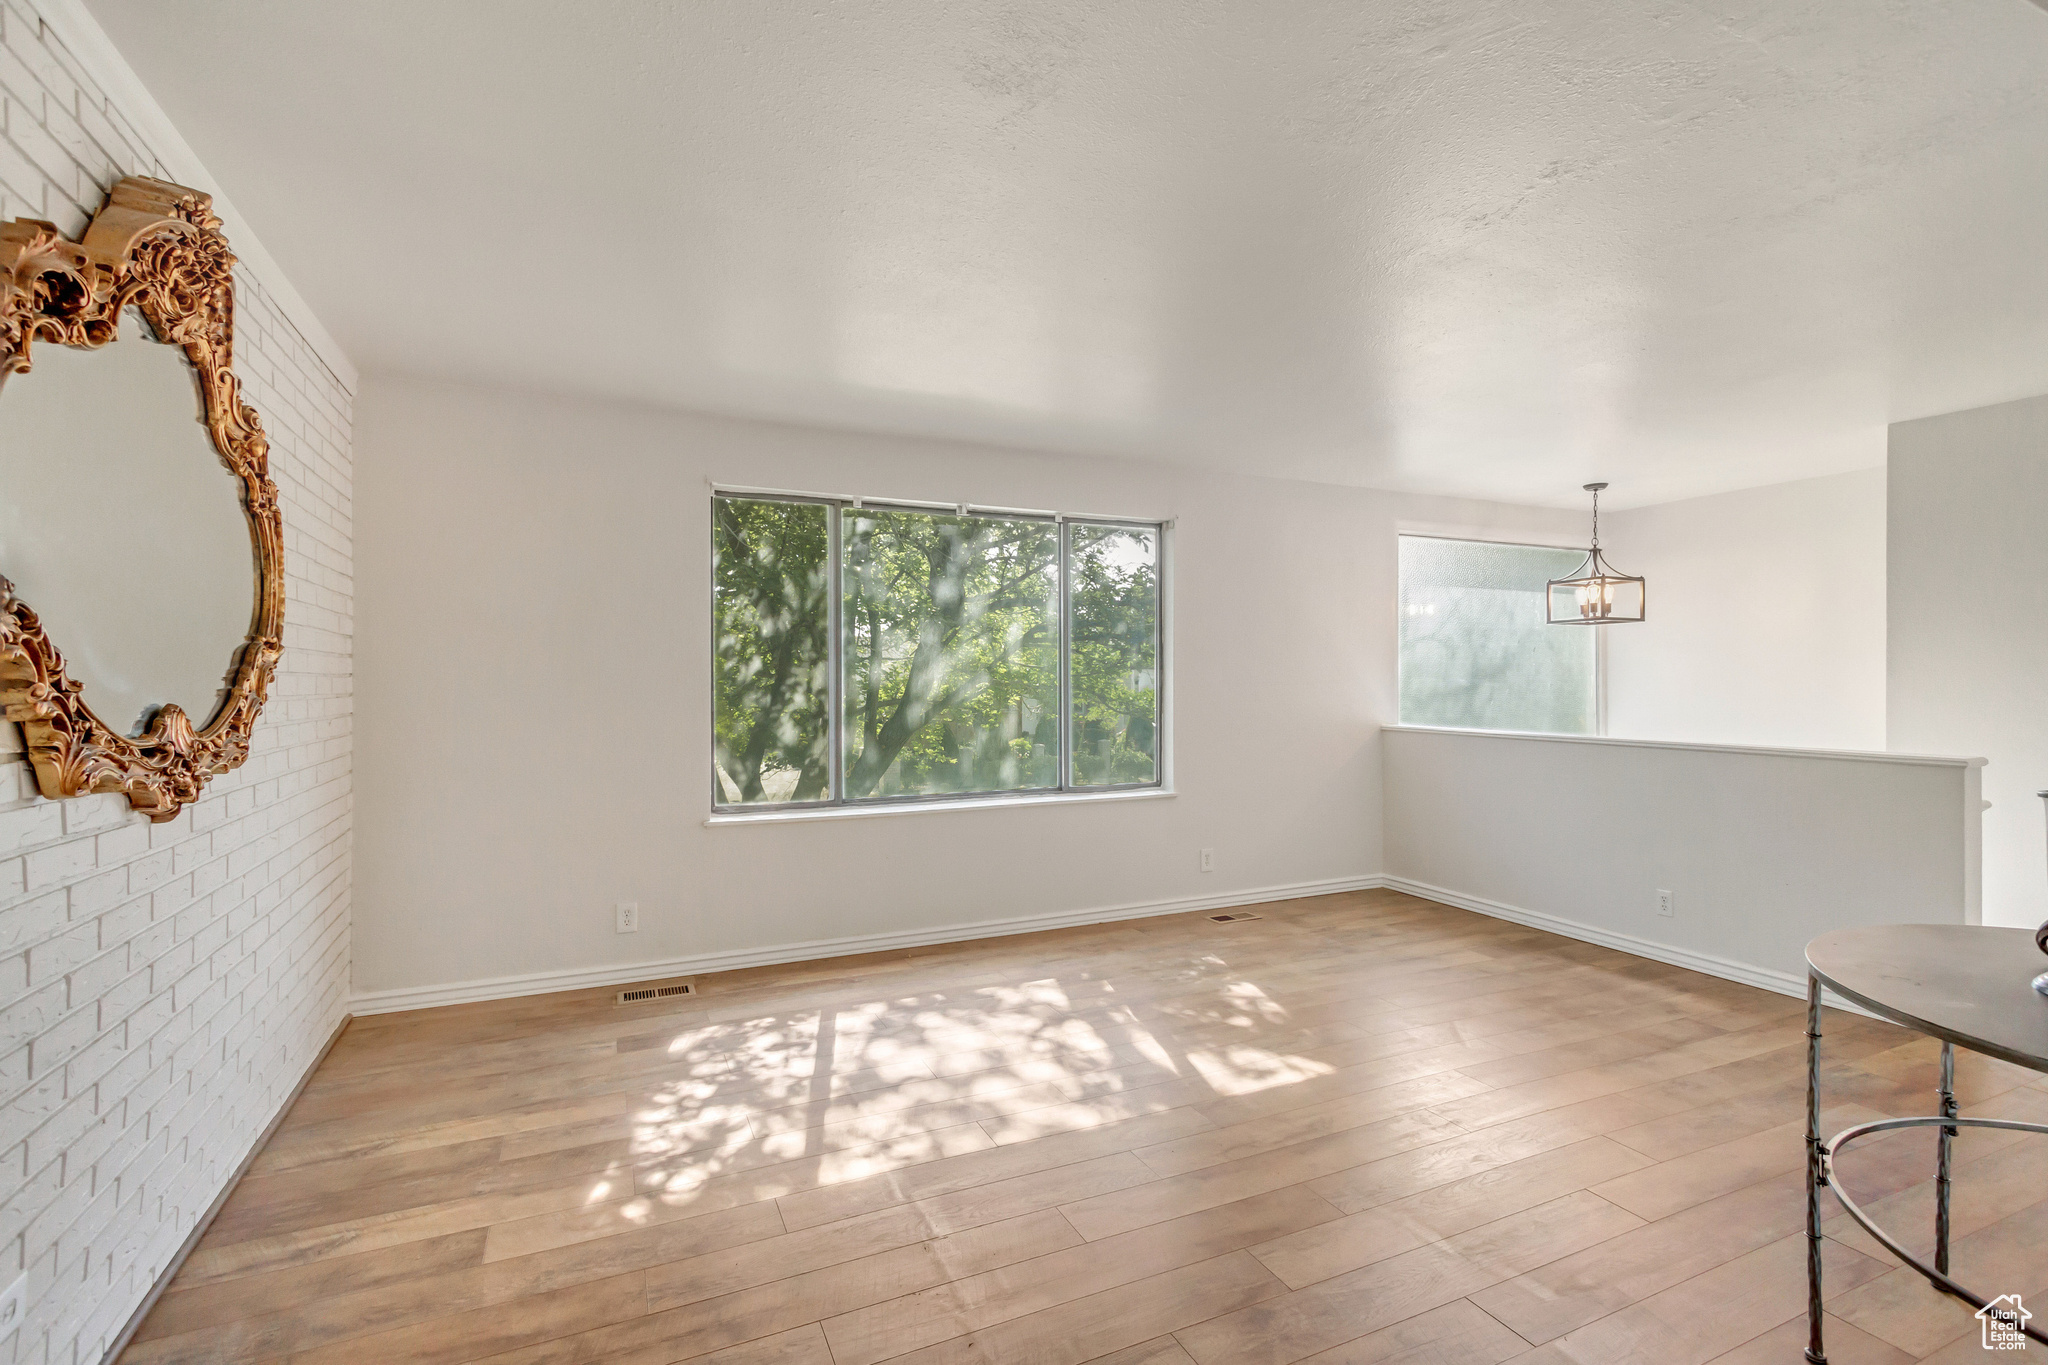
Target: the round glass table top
pixel 1969 984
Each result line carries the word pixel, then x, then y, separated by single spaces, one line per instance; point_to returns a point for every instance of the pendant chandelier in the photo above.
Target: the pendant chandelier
pixel 1596 595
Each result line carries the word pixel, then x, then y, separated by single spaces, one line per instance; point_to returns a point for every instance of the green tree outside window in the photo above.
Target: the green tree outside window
pixel 949 653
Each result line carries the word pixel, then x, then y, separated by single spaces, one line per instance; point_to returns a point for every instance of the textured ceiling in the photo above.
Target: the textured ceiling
pixel 1485 247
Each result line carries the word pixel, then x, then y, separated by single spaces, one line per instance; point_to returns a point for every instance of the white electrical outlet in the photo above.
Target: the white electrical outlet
pixel 629 916
pixel 1208 860
pixel 1664 907
pixel 14 1304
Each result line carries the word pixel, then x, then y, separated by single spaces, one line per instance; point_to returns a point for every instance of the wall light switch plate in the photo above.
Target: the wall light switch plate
pixel 14 1304
pixel 1208 860
pixel 629 916
pixel 1664 906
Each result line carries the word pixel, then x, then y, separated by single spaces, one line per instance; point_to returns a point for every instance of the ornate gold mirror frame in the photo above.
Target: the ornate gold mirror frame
pixel 158 247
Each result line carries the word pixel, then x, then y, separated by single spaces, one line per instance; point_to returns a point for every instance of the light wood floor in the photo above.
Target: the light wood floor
pixel 1365 1128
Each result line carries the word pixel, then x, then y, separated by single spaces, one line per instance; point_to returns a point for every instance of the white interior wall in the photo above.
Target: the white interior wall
pixel 164 987
pixel 1766 620
pixel 1968 651
pixel 534 684
pixel 1761 849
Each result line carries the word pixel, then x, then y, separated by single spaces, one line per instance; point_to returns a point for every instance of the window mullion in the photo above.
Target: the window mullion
pixel 835 682
pixel 1066 690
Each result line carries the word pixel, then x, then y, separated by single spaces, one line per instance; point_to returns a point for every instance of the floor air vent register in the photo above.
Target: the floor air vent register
pixel 635 994
pixel 1235 919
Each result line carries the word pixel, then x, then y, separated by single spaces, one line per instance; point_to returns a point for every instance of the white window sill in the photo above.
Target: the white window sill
pixel 791 817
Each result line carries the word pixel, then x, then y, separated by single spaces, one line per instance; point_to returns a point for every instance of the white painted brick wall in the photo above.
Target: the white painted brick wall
pixel 163 987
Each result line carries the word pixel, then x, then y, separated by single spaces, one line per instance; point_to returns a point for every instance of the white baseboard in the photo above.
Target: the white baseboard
pixel 627 973
pixel 1728 969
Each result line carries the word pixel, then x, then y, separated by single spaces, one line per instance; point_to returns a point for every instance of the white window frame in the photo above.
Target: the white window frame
pixel 837 804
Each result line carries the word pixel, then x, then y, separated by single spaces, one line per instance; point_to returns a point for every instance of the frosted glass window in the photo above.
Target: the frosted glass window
pixel 1475 650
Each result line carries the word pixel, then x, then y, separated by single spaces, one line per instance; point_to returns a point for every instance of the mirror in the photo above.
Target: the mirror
pixel 141 538
pixel 125 530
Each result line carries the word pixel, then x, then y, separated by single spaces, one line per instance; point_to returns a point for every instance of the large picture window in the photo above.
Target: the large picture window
pixel 869 652
pixel 1475 651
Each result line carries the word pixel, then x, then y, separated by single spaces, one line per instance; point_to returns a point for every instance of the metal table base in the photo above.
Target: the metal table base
pixel 1820 1173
